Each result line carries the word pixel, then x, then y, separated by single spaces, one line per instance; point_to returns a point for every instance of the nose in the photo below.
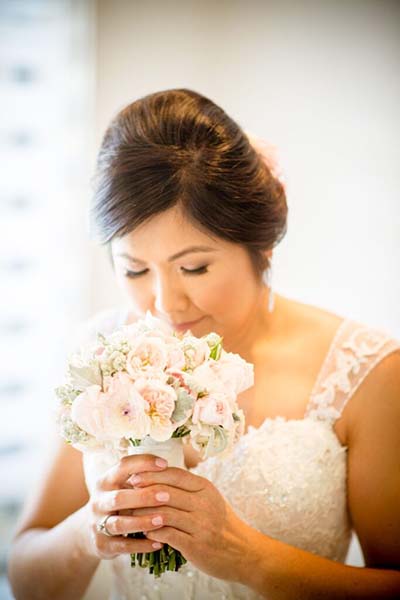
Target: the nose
pixel 169 297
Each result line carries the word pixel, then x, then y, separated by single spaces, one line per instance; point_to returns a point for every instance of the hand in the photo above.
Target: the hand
pixel 197 521
pixel 113 497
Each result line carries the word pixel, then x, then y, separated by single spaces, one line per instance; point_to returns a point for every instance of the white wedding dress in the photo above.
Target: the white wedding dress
pixel 286 478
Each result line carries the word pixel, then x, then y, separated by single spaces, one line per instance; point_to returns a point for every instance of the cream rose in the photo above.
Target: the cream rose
pixel 147 353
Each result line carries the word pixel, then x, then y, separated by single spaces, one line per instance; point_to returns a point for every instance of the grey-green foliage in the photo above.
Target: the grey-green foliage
pixel 84 375
pixel 183 403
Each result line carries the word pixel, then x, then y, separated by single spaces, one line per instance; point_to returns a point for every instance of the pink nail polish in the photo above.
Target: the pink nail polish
pixel 162 496
pixel 156 545
pixel 135 479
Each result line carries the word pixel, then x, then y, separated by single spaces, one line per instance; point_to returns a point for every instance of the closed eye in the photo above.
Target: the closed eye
pixel 199 271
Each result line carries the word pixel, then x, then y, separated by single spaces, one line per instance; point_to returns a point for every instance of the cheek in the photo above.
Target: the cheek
pixel 137 295
pixel 229 296
pixel 219 294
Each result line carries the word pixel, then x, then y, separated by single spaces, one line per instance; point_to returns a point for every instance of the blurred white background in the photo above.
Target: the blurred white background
pixel 318 79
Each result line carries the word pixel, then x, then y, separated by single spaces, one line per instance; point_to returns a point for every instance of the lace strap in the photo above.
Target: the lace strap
pixel 354 352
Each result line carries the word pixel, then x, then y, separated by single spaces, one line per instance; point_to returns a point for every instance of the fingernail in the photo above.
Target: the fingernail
pixel 162 496
pixel 134 479
pixel 156 545
pixel 160 462
pixel 157 521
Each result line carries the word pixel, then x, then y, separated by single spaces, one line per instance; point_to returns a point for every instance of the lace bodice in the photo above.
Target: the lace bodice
pixel 286 478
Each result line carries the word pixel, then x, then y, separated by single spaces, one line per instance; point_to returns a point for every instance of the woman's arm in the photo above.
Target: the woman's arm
pixel 48 557
pixel 57 545
pixel 283 572
pixel 52 563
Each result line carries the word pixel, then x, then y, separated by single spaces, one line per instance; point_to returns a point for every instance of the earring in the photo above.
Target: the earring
pixel 267 277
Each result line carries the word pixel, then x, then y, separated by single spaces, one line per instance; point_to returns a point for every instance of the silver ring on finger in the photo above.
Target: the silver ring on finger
pixel 102 526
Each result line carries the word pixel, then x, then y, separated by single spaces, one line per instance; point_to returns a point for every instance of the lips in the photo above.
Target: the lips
pixel 187 325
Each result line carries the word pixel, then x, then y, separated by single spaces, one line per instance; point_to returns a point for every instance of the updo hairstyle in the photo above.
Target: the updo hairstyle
pixel 177 147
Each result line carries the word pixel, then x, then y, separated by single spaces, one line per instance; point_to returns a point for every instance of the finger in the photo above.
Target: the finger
pixel 176 539
pixel 166 515
pixel 115 500
pixel 116 475
pixel 172 476
pixel 118 525
pixel 173 517
pixel 112 546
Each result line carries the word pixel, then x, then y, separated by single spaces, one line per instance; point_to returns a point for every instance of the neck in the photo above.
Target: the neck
pixel 261 328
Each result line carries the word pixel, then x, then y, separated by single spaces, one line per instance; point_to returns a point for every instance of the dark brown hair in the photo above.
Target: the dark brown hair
pixel 178 147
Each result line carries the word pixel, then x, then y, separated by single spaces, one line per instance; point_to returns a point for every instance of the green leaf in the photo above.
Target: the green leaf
pixel 215 351
pixel 136 442
pixel 181 432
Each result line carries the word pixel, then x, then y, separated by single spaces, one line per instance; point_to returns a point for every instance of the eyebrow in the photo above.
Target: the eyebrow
pixel 174 256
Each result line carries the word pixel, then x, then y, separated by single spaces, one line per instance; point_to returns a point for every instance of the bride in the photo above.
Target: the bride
pixel 190 209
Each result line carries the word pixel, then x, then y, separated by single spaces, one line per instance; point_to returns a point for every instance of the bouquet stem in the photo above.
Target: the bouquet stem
pixel 159 561
pixel 166 558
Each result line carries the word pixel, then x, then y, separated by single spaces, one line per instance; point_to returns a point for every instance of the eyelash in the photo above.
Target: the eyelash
pixel 199 271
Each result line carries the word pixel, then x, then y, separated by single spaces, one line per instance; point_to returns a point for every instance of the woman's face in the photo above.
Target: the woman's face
pixel 187 278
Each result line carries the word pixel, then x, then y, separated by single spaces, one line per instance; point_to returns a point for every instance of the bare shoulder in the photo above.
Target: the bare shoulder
pixel 375 405
pixel 373 463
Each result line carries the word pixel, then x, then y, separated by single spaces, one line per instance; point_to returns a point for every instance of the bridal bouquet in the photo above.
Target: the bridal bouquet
pixel 146 382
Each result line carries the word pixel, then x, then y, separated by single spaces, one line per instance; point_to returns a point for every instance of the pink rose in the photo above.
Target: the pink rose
pixel 231 373
pixel 147 353
pixel 214 409
pixel 176 357
pixel 182 379
pixel 148 325
pixel 196 350
pixel 237 370
pixel 160 404
pixel 119 412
